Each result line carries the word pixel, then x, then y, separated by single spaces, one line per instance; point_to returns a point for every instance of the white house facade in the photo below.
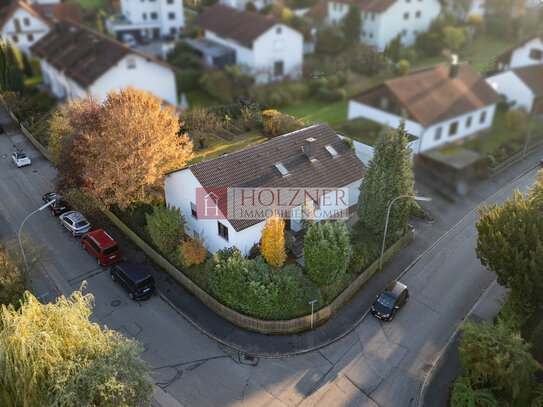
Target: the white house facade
pixel 521 87
pixel 263 45
pixel 105 65
pixel 528 52
pixel 331 165
pixel 24 24
pixel 242 4
pixel 148 19
pixel 448 110
pixel 385 20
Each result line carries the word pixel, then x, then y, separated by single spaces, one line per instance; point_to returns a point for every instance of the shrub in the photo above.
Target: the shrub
pixel 166 227
pixel 250 6
pixel 275 99
pixel 250 116
pixel 428 44
pixel 298 92
pixel 517 120
pixel 218 85
pixel 332 82
pixel 464 394
pixel 349 143
pixel 272 245
pixel 12 280
pixel 410 54
pixel 327 251
pixel 367 60
pixel 188 80
pixel 453 38
pixel 193 251
pixel 276 123
pixel 256 289
pixel 536 339
pixel 341 78
pixel 329 95
pixel 403 67
pixel 330 41
pixel 316 84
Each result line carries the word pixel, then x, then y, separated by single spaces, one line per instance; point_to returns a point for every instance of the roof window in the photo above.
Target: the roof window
pixel 331 150
pixel 282 169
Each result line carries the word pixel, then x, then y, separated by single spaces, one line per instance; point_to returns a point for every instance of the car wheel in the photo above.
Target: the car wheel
pixel 73 234
pixel 53 212
pixel 112 276
pixel 406 300
pixel 99 263
pixel 131 296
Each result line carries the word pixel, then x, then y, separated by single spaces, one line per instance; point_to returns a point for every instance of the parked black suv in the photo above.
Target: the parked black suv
pixel 60 206
pixel 389 302
pixel 139 283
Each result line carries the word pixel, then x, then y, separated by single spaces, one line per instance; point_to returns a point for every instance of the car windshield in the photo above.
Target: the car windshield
pixel 144 283
pixel 81 224
pixel 21 155
pixel 386 301
pixel 111 250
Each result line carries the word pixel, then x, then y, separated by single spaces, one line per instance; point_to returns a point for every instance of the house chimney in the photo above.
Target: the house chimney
pixel 73 32
pixel 309 148
pixel 453 73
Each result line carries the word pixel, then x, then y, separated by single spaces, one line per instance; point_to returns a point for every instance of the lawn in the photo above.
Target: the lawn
pixel 200 98
pixel 493 139
pixel 217 146
pixel 92 4
pixel 314 110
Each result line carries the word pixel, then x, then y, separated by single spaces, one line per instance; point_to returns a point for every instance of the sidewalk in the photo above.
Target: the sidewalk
pixel 348 318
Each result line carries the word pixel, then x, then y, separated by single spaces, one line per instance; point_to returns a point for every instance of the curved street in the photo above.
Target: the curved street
pixel 375 364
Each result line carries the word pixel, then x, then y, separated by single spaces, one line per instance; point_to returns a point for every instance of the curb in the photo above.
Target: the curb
pixel 419 401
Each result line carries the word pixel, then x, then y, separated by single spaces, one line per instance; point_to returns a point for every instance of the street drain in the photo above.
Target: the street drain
pixel 3 155
pixel 34 171
pixel 115 303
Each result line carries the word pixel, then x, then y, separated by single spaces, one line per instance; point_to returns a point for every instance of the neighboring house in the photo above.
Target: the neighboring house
pixel 242 4
pixel 266 47
pixel 148 19
pixel 528 52
pixel 522 87
pixel 384 20
pixel 318 14
pixel 78 62
pixel 311 157
pixel 24 24
pixel 440 104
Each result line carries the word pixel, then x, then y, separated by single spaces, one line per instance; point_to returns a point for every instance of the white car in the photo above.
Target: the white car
pixel 75 222
pixel 129 40
pixel 20 158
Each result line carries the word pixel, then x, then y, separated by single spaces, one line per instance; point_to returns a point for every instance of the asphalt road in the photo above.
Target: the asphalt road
pixel 378 364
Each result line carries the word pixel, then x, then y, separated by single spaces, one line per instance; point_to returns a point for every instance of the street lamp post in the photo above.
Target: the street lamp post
pixel 41 208
pixel 416 198
pixel 312 304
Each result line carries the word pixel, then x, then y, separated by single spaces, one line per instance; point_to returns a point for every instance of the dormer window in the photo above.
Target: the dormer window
pixel 131 63
pixel 278 30
pixel 282 169
pixel 384 103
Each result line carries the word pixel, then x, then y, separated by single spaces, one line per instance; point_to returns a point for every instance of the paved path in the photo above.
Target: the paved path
pixel 374 365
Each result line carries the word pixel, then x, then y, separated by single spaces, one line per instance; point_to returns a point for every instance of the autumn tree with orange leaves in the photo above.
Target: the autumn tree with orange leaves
pixel 272 245
pixel 133 142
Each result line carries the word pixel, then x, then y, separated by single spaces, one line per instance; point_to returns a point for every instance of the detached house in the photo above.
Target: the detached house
pixel 528 52
pixel 23 24
pixel 440 104
pixel 523 87
pixel 384 20
pixel 314 157
pixel 265 46
pixel 148 19
pixel 78 62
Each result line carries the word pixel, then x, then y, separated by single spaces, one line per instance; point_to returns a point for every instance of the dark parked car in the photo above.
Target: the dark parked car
pixel 60 206
pixel 389 302
pixel 139 283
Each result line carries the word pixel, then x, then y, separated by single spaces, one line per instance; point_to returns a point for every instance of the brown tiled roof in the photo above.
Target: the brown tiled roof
pixel 318 12
pixel 60 11
pixel 430 96
pixel 241 26
pixel 7 11
pixel 532 76
pixel 376 6
pixel 82 54
pixel 255 166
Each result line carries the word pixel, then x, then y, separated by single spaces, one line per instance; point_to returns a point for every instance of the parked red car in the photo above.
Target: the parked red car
pixel 102 247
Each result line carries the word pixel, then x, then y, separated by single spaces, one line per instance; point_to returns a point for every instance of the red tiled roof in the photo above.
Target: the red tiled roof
pixel 318 12
pixel 430 96
pixel 532 76
pixel 377 6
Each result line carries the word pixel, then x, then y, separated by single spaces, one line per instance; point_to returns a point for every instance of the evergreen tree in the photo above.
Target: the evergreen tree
pixel 510 243
pixel 10 55
pixel 351 26
pixel 14 79
pixel 393 49
pixel 3 66
pixel 389 174
pixel 27 67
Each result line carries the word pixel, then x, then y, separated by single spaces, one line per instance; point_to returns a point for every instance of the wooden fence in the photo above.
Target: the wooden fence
pixel 255 324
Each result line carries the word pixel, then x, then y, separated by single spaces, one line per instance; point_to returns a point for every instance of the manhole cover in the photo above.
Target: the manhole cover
pixel 3 155
pixel 34 170
pixel 115 303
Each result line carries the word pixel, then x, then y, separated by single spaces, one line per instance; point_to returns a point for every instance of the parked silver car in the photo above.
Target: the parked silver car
pixel 20 158
pixel 75 222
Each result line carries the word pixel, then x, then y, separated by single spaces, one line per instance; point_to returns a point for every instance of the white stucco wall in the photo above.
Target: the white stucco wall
pixel 135 10
pixel 27 34
pixel 513 88
pixel 336 12
pixel 521 55
pixel 427 135
pixel 392 21
pixel 279 43
pixel 241 4
pixel 59 83
pixel 147 75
